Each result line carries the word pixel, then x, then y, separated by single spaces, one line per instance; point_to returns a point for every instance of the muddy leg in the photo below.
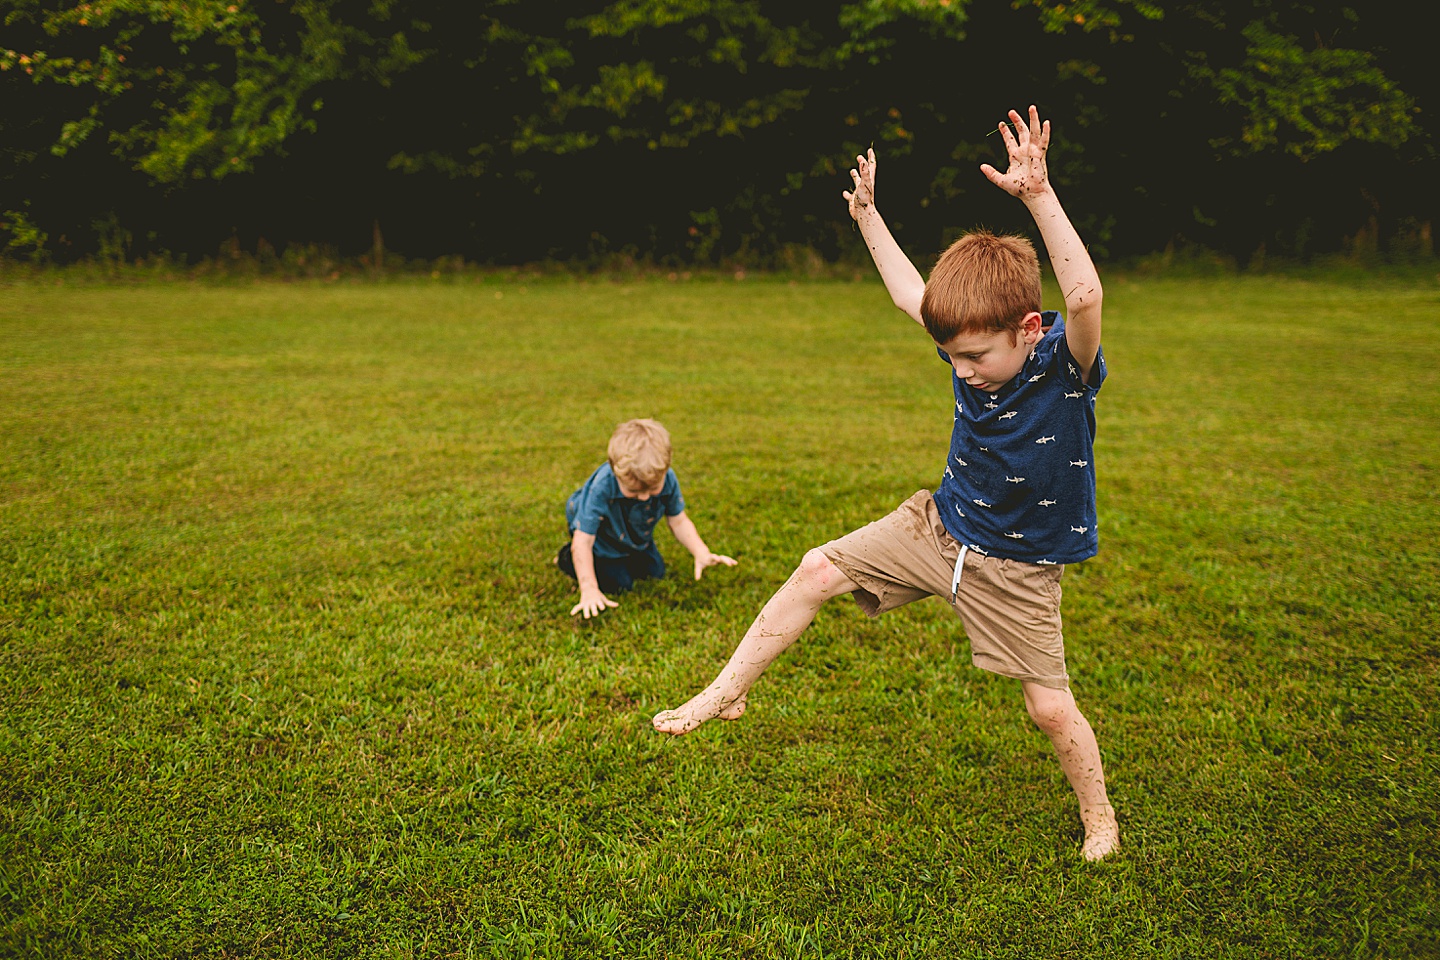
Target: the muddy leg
pixel 781 620
pixel 1055 712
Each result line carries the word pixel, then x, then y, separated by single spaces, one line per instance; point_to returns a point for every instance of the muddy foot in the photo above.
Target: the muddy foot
pixel 1102 833
pixel 704 706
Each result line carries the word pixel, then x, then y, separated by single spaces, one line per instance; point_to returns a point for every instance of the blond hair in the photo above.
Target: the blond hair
pixel 640 454
pixel 983 283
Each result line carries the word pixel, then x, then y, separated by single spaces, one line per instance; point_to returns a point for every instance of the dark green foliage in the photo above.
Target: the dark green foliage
pixel 698 129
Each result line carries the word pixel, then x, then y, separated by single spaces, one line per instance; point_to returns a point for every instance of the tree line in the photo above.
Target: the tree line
pixel 699 130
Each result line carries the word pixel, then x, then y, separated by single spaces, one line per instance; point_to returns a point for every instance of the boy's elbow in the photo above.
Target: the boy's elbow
pixel 1084 301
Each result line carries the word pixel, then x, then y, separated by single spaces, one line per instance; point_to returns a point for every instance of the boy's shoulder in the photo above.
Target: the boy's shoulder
pixel 602 481
pixel 1050 354
pixel 1052 358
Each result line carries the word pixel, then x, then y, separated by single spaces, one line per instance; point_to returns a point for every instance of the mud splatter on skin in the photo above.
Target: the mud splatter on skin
pixel 1079 755
pixel 778 625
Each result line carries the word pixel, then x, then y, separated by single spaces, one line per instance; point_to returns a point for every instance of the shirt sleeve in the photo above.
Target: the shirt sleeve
pixel 1069 370
pixel 671 496
pixel 592 504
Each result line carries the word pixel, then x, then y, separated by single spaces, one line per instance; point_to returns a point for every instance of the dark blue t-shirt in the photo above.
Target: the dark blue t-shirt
pixel 621 525
pixel 1020 481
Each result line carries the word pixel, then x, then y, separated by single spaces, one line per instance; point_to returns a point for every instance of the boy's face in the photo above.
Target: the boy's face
pixel 987 361
pixel 637 492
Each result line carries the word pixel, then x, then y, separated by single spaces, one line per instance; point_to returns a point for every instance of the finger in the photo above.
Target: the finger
pixel 1045 136
pixel 576 609
pixel 991 173
pixel 871 154
pixel 1034 123
pixel 728 561
pixel 855 176
pixel 1008 137
pixel 1022 132
pixel 611 603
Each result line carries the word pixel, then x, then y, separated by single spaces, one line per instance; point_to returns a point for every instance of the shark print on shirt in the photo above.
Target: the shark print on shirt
pixel 1027 456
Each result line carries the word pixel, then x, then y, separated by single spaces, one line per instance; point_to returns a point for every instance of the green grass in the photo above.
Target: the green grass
pixel 285 669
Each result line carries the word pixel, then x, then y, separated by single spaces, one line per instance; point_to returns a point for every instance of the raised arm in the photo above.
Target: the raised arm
pixel 1028 180
pixel 902 280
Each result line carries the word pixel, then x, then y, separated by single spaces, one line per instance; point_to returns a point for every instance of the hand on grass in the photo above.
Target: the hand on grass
pixel 1026 176
pixel 863 173
pixel 708 559
pixel 592 603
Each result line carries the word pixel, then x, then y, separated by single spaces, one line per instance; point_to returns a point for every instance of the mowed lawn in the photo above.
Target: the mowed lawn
pixel 285 669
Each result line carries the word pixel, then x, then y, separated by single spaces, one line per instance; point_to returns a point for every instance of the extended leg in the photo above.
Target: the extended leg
pixel 1055 712
pixel 781 620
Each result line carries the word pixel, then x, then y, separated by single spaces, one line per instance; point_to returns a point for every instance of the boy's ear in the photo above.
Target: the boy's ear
pixel 1030 327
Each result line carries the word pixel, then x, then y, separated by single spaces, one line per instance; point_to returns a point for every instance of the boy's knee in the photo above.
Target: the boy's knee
pixel 648 565
pixel 1052 710
pixel 565 562
pixel 816 569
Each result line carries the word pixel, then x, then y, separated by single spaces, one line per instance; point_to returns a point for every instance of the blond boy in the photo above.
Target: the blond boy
pixel 1016 499
pixel 612 519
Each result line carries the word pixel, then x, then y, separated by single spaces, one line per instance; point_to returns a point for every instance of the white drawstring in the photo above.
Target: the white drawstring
pixel 959 571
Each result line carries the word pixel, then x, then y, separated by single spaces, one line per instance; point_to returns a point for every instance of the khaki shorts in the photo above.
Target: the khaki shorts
pixel 1010 609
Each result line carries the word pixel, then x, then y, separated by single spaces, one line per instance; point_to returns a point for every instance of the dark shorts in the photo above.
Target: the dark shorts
pixel 617 575
pixel 1010 609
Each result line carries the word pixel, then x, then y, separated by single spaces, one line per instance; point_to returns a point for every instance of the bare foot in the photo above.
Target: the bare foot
pixel 1102 833
pixel 699 708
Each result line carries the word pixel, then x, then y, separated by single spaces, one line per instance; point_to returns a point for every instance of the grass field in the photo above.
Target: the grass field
pixel 285 669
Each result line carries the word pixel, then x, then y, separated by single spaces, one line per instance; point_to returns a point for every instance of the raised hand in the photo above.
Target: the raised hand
pixel 1026 176
pixel 863 173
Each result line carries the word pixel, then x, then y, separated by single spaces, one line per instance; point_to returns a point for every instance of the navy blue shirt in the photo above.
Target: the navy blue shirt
pixel 1020 481
pixel 621 525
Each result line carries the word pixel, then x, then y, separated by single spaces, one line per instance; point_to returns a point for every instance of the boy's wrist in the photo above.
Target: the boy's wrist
pixel 872 226
pixel 1035 199
pixel 868 214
